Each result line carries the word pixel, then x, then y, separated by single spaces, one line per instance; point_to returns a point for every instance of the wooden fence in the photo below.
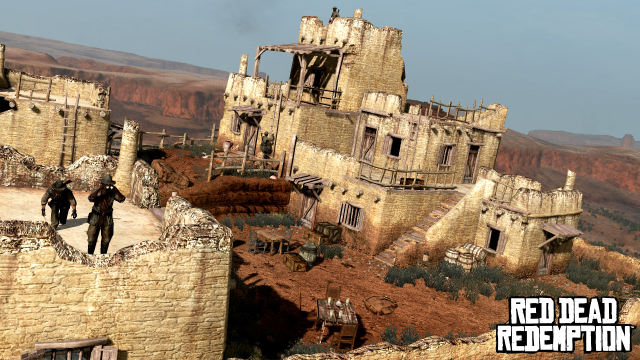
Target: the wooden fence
pixel 245 158
pixel 410 180
pixel 162 135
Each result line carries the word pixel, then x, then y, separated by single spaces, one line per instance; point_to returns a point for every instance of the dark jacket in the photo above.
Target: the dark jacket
pixel 63 199
pixel 97 197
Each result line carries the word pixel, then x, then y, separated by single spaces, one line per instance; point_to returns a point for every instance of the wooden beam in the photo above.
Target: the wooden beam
pixel 303 73
pixel 256 66
pixel 292 150
pixel 71 344
pixel 315 194
pixel 337 76
pixel 546 242
pixel 355 135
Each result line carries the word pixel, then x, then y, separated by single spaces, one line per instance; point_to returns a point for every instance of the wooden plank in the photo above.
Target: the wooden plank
pixel 281 165
pixel 376 112
pixel 547 242
pixel 335 80
pixel 71 344
pixel 48 91
pixel 19 84
pixel 315 194
pixel 292 149
pixel 355 135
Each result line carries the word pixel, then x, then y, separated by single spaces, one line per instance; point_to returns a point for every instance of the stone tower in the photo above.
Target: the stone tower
pixel 627 141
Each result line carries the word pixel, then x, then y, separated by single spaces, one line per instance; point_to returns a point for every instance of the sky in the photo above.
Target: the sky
pixel 568 65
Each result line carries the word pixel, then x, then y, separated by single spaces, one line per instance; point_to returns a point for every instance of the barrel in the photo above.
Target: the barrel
pixel 451 255
pixel 466 260
pixel 478 252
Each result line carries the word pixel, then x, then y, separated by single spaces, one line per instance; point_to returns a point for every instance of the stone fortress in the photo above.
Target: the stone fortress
pixel 401 180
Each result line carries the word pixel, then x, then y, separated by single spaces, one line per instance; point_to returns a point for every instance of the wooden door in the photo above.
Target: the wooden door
pixel 368 144
pixel 546 259
pixel 308 211
pixel 250 136
pixel 471 164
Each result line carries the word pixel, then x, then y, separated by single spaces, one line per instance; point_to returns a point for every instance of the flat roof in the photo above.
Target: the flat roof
pixel 305 49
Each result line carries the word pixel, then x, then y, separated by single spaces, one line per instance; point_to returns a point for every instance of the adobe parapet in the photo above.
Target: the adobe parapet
pixel 167 293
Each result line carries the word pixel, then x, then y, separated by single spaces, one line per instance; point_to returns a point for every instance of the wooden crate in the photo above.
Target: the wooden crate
pixel 333 232
pixel 315 237
pixel 294 262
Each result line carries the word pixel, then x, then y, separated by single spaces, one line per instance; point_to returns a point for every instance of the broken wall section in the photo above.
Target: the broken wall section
pixel 135 297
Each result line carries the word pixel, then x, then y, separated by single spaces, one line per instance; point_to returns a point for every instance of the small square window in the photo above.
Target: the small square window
pixel 496 240
pixel 392 145
pixel 235 123
pixel 351 216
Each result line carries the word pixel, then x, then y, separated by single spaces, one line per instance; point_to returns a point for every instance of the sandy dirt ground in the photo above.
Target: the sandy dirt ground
pixel 131 224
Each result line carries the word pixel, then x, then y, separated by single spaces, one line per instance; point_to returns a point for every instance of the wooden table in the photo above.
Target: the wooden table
pixel 270 236
pixel 348 314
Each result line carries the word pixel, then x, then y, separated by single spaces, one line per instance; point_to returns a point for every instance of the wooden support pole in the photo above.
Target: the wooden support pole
pixel 213 133
pixel 184 139
pixel 18 87
pixel 256 66
pixel 303 73
pixel 224 161
pixel 244 159
pixel 281 164
pixel 210 165
pixel 355 134
pixel 292 150
pixel 46 99
pixel 335 80
pixel 162 139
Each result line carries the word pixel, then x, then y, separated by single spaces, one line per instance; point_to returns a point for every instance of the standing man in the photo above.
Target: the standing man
pixel 335 14
pixel 61 199
pixel 266 146
pixel 101 217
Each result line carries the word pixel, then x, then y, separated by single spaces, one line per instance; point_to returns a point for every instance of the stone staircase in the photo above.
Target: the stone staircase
pixel 416 235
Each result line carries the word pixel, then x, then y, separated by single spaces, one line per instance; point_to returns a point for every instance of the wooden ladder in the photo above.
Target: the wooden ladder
pixel 70 116
pixel 414 126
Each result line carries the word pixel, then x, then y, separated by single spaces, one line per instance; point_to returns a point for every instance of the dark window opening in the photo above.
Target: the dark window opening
pixel 494 239
pixel 447 156
pixel 4 105
pixel 395 146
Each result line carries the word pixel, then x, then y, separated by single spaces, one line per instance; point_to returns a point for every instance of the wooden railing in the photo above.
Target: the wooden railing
pixel 506 194
pixel 436 109
pixel 162 135
pixel 411 179
pixel 83 348
pixel 325 97
pixel 246 158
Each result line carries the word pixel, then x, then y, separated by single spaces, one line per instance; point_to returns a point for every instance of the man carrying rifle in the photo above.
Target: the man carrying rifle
pixel 101 216
pixel 61 199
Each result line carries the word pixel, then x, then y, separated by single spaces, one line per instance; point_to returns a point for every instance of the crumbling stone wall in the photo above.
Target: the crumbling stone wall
pixel 166 298
pixel 517 181
pixel 19 170
pixel 372 62
pixel 144 186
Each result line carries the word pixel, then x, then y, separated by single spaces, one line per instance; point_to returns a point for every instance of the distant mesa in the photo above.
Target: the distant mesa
pixel 568 138
pixel 627 141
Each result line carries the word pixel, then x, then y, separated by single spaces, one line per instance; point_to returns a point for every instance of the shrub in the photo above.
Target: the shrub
pixel 201 171
pixel 330 251
pixel 390 335
pixel 471 295
pixel 196 150
pixel 409 335
pixel 485 289
pixel 587 271
pixel 273 219
pixel 239 222
pixel 227 221
pixel 242 350
pixel 399 276
pixel 452 271
pixel 307 348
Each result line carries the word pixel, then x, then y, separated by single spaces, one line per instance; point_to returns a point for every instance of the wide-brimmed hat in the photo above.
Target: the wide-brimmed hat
pixel 107 180
pixel 59 185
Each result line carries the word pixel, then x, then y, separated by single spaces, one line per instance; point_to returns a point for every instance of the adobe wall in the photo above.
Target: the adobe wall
pixel 61 85
pixel 385 220
pixel 431 136
pixel 38 131
pixel 372 62
pixel 517 181
pixel 157 299
pixel 19 170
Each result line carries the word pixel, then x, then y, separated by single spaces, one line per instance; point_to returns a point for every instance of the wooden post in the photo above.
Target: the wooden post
pixel 303 73
pixel 244 159
pixel 281 165
pixel 213 133
pixel 184 139
pixel 162 139
pixel 266 88
pixel 355 135
pixel 48 91
pixel 224 161
pixel 335 80
pixel 210 166
pixel 277 115
pixel 292 150
pixel 18 87
pixel 256 66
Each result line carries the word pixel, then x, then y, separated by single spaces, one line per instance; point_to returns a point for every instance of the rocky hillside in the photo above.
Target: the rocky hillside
pixel 179 102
